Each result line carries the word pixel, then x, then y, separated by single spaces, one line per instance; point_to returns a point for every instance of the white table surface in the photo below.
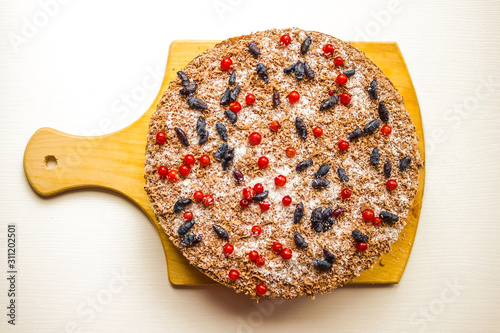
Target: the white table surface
pixel 90 261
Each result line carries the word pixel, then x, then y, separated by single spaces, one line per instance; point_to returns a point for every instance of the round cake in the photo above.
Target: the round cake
pixel 282 163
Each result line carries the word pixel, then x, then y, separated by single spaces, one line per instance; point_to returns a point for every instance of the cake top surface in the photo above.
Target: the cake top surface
pixel 351 102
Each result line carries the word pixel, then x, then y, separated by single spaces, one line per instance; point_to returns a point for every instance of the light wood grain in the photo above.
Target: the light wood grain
pixel 115 162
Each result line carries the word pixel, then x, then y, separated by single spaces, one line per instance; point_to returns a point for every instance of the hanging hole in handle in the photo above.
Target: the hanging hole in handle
pixel 50 162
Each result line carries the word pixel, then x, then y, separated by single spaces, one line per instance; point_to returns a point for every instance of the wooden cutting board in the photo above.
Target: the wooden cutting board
pixel 55 162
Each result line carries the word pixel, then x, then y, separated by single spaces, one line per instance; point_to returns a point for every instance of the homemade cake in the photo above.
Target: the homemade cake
pixel 282 163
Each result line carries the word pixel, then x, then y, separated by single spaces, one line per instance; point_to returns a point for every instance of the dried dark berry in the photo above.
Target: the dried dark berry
pixel 372 89
pixel 322 265
pixel 191 239
pixel 301 128
pixel 327 224
pixel 342 175
pixel 303 165
pixel 238 175
pixel 329 256
pixel 221 129
pixel 233 117
pixel 304 47
pixel 322 171
pixel 338 212
pixel 317 219
pixel 289 69
pixel 349 72
pixel 232 78
pixel 201 125
pixel 329 103
pixel 234 93
pixel 185 227
pixel 383 113
pixel 299 70
pixel 221 151
pixel 321 182
pixel 404 163
pixel 327 213
pixel 298 214
pixel 299 240
pixel 388 217
pixel 261 196
pixel 308 70
pixel 225 97
pixel 220 231
pixel 183 76
pixel 387 168
pixel 359 236
pixel 196 103
pixel 181 136
pixel 203 137
pixel 372 126
pixel 355 134
pixel 181 204
pixel 262 72
pixel 228 159
pixel 189 89
pixel 253 48
pixel 276 98
pixel 375 156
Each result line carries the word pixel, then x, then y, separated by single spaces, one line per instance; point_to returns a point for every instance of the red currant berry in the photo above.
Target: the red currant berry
pixel 345 98
pixel 368 215
pixel 244 203
pixel 189 160
pixel 328 49
pixel 261 289
pixel 274 125
pixel 294 96
pixel 377 221
pixel 286 253
pixel 343 145
pixel 208 200
pixel 253 255
pixel 361 246
pixel 280 180
pixel 260 261
pixel 263 162
pixel 233 275
pixel 226 63
pixel 204 160
pixel 331 92
pixel 256 230
pixel 184 170
pixel 228 249
pixel 250 99
pixel 188 216
pixel 248 193
pixel 162 171
pixel 277 247
pixel 341 79
pixel 264 205
pixel 287 200
pixel 285 40
pixel 173 176
pixel 290 152
pixel 338 61
pixel 317 131
pixel 198 195
pixel 255 138
pixel 386 130
pixel 346 193
pixel 161 137
pixel 235 107
pixel 391 184
pixel 258 188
